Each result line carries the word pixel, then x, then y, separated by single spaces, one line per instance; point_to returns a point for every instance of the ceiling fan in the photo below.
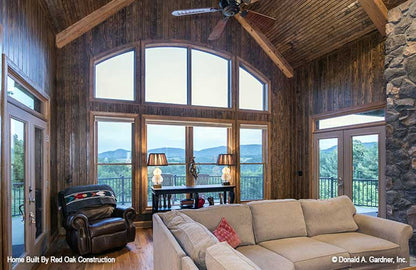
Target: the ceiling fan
pixel 231 8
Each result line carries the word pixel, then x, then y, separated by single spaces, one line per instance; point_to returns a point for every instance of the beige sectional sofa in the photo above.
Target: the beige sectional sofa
pixel 288 235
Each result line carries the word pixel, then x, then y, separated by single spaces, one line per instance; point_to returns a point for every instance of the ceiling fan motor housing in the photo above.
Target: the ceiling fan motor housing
pixel 229 7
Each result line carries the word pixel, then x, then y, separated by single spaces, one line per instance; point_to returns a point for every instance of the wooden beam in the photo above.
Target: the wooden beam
pixel 90 21
pixel 267 46
pixel 377 12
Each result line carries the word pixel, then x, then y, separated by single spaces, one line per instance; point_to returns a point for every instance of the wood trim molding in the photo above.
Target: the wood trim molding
pixel 267 46
pixel 90 21
pixel 377 12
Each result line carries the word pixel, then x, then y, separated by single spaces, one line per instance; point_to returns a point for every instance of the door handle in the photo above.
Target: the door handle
pixel 22 212
pixel 340 182
pixel 32 218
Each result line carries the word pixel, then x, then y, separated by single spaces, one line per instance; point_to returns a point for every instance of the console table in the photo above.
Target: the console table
pixel 194 190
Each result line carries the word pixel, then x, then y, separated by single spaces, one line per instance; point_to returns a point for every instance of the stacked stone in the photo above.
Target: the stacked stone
pixel 400 74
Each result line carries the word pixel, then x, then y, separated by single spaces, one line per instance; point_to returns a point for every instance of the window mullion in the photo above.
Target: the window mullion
pixel 189 153
pixel 189 76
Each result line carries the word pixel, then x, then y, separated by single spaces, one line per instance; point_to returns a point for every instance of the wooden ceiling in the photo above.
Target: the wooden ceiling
pixel 305 29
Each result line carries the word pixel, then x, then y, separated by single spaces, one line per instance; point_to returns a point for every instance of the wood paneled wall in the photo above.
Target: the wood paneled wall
pixel 29 41
pixel 348 77
pixel 151 20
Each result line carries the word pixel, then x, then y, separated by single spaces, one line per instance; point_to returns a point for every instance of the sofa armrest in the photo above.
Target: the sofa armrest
pixel 77 233
pixel 165 243
pixel 393 231
pixel 77 222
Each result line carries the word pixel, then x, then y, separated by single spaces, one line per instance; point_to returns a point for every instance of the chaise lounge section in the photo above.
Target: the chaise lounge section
pixel 288 234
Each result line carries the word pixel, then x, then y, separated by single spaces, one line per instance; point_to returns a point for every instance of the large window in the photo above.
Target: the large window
pixel 186 76
pixel 114 78
pixel 252 91
pixel 114 157
pixel 207 143
pixel 252 163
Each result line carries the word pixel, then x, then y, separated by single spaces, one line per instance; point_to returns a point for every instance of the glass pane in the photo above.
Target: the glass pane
pixel 328 168
pixel 173 175
pixel 114 77
pixel 209 142
pixel 207 91
pixel 251 91
pixel 39 181
pixel 365 173
pixel 118 177
pixel 168 139
pixel 166 75
pixel 251 182
pixel 251 145
pixel 17 176
pixel 19 93
pixel 352 119
pixel 114 142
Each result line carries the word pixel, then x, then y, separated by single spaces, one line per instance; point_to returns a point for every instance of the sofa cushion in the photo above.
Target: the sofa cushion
pixel 237 215
pixel 307 253
pixel 223 257
pixel 225 233
pixel 266 259
pixel 329 216
pixel 193 237
pixel 277 219
pixel 361 245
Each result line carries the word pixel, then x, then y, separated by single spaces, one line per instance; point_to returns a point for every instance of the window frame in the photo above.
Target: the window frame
pixel 96 117
pixel 100 58
pixel 265 127
pixel 189 47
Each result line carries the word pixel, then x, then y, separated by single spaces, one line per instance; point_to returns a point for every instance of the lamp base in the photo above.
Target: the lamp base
pixel 157 185
pixel 225 183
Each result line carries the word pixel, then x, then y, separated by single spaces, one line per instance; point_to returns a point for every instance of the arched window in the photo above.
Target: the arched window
pixel 114 77
pixel 187 76
pixel 252 91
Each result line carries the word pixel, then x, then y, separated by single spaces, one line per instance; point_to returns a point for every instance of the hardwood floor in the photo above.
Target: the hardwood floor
pixel 137 255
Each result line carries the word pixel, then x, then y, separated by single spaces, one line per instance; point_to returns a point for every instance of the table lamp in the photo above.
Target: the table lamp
pixel 157 159
pixel 227 160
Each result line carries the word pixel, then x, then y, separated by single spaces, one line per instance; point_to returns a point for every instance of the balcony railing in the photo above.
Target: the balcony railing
pixel 364 191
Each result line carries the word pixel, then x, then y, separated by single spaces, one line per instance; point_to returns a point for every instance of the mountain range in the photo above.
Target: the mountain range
pixel 249 153
pixel 367 145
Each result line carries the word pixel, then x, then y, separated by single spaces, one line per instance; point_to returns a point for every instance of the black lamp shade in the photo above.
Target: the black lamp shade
pixel 225 159
pixel 157 159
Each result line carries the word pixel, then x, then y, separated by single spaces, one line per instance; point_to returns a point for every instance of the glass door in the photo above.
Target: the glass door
pixel 27 172
pixel 328 149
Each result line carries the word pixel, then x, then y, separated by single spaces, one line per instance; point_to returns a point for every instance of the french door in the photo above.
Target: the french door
pixel 27 171
pixel 351 162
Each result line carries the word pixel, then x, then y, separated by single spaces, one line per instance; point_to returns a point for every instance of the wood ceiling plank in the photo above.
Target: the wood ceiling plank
pixel 377 12
pixel 90 21
pixel 267 46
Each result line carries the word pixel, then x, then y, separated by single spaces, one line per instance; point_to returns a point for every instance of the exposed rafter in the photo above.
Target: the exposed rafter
pixel 377 11
pixel 267 46
pixel 90 21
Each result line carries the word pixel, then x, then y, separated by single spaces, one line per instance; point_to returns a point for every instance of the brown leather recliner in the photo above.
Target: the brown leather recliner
pixel 92 221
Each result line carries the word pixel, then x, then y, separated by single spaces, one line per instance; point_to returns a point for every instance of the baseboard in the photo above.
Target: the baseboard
pixel 146 224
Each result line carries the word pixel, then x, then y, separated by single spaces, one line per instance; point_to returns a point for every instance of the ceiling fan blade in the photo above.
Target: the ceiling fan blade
pixel 263 22
pixel 185 12
pixel 218 29
pixel 247 2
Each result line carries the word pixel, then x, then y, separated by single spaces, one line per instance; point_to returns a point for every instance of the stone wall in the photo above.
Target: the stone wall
pixel 400 74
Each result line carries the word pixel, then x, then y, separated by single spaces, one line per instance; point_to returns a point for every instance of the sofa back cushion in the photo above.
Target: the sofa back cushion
pixel 275 219
pixel 237 215
pixel 193 237
pixel 329 216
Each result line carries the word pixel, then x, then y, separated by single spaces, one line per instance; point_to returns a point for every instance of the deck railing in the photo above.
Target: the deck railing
pixel 364 191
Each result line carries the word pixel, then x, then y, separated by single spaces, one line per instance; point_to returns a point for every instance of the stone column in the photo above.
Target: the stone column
pixel 400 74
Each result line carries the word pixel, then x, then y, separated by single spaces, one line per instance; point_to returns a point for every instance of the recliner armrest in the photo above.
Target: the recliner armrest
pixel 77 222
pixel 127 213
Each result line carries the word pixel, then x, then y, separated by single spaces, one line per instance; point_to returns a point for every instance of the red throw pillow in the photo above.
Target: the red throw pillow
pixel 224 232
